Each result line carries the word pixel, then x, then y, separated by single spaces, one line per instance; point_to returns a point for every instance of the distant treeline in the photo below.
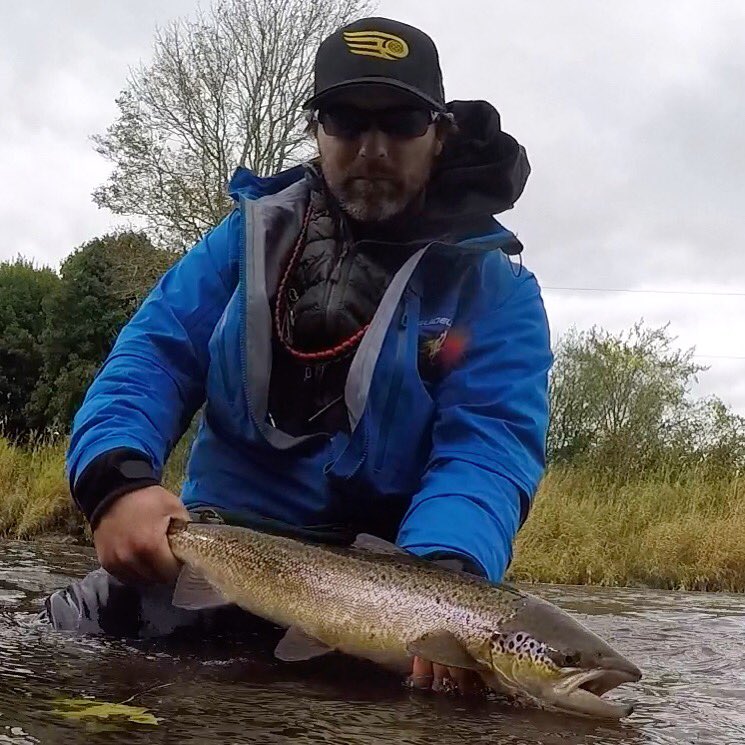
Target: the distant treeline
pixel 57 328
pixel 620 404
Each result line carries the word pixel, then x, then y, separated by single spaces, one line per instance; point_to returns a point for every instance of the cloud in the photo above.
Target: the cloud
pixel 631 113
pixel 62 66
pixel 696 326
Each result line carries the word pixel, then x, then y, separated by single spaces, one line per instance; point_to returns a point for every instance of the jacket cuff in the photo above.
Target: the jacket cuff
pixel 108 477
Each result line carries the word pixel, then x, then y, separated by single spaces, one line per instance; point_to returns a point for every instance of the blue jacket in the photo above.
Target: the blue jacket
pixel 448 466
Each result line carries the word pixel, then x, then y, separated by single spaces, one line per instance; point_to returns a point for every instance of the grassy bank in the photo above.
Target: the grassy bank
pixel 673 530
pixel 34 495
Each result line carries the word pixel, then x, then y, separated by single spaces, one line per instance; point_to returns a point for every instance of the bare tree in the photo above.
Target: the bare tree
pixel 224 88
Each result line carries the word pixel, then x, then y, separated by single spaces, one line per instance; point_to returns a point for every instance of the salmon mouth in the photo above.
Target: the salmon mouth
pixel 581 692
pixel 574 691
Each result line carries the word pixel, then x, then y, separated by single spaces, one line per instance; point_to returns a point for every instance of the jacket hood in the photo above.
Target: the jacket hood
pixel 482 170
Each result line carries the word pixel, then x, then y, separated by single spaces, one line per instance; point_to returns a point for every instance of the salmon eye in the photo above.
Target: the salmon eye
pixel 564 659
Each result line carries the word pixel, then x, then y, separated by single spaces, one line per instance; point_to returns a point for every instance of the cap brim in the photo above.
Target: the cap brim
pixel 411 92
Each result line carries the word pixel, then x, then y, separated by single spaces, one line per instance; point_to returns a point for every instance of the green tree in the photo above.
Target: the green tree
pixel 618 399
pixel 224 89
pixel 23 289
pixel 708 435
pixel 102 284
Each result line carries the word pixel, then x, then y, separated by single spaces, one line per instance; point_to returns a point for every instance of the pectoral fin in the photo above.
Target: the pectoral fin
pixel 442 648
pixel 296 646
pixel 194 592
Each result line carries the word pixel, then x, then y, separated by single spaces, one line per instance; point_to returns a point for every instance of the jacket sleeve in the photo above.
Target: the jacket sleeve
pixel 489 436
pixel 153 381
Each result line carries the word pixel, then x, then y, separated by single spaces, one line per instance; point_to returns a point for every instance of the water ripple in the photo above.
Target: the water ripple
pixel 689 645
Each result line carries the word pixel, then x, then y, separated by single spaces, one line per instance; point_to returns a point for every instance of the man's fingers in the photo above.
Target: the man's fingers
pixel 128 568
pixel 425 674
pixel 145 562
pixel 170 566
pixel 164 566
pixel 469 684
pixel 440 675
pixel 179 512
pixel 131 536
pixel 443 679
pixel 450 679
pixel 421 673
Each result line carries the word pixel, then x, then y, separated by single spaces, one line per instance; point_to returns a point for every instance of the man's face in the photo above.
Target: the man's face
pixel 375 175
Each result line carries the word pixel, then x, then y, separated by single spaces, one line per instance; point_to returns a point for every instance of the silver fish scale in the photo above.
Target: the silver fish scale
pixel 362 603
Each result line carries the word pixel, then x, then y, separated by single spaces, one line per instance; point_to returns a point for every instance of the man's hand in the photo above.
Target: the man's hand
pixel 425 674
pixel 131 540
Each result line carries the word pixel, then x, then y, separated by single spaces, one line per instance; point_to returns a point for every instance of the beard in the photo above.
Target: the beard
pixel 371 200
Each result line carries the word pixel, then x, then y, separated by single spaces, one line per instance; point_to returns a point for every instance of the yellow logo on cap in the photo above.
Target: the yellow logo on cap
pixel 376 44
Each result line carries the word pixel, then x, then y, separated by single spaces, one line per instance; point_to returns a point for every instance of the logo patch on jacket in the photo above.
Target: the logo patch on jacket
pixel 376 44
pixel 441 347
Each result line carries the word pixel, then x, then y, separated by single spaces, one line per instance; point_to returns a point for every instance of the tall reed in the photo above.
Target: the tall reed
pixel 677 529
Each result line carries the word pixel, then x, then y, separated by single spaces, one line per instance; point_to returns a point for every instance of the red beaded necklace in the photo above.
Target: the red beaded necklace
pixel 281 310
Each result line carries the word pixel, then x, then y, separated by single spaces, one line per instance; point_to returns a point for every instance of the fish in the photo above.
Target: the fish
pixel 377 602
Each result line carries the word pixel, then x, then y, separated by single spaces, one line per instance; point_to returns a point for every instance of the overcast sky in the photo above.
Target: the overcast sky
pixel 631 112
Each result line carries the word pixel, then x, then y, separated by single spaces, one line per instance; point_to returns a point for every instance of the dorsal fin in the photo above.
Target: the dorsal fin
pixel 372 543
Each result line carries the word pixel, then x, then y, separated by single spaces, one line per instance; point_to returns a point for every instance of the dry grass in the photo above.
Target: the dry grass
pixel 33 492
pixel 679 531
pixel 34 495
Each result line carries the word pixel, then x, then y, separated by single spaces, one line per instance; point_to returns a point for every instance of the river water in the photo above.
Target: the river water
pixel 690 646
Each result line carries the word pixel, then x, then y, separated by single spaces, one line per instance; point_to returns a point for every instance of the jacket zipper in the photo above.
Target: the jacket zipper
pixel 342 267
pixel 395 389
pixel 363 456
pixel 242 281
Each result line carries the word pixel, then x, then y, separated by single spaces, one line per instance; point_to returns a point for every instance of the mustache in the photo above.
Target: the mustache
pixel 372 173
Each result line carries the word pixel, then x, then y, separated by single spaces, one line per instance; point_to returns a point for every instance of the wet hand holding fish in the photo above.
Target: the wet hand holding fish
pixel 130 536
pixel 376 602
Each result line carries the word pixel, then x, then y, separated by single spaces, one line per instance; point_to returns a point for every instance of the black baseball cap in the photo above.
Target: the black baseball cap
pixel 379 51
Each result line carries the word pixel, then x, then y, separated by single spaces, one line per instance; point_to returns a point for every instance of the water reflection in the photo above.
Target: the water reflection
pixel 230 690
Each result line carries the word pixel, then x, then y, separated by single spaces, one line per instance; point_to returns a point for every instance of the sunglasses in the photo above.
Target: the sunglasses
pixel 349 122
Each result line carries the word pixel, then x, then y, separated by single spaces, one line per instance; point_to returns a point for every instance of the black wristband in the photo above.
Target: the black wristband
pixel 108 477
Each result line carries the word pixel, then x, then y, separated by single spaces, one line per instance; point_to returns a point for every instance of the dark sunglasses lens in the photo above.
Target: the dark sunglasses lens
pixel 405 122
pixel 343 122
pixel 349 123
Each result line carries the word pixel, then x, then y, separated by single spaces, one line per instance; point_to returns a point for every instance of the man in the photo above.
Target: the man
pixel 366 353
